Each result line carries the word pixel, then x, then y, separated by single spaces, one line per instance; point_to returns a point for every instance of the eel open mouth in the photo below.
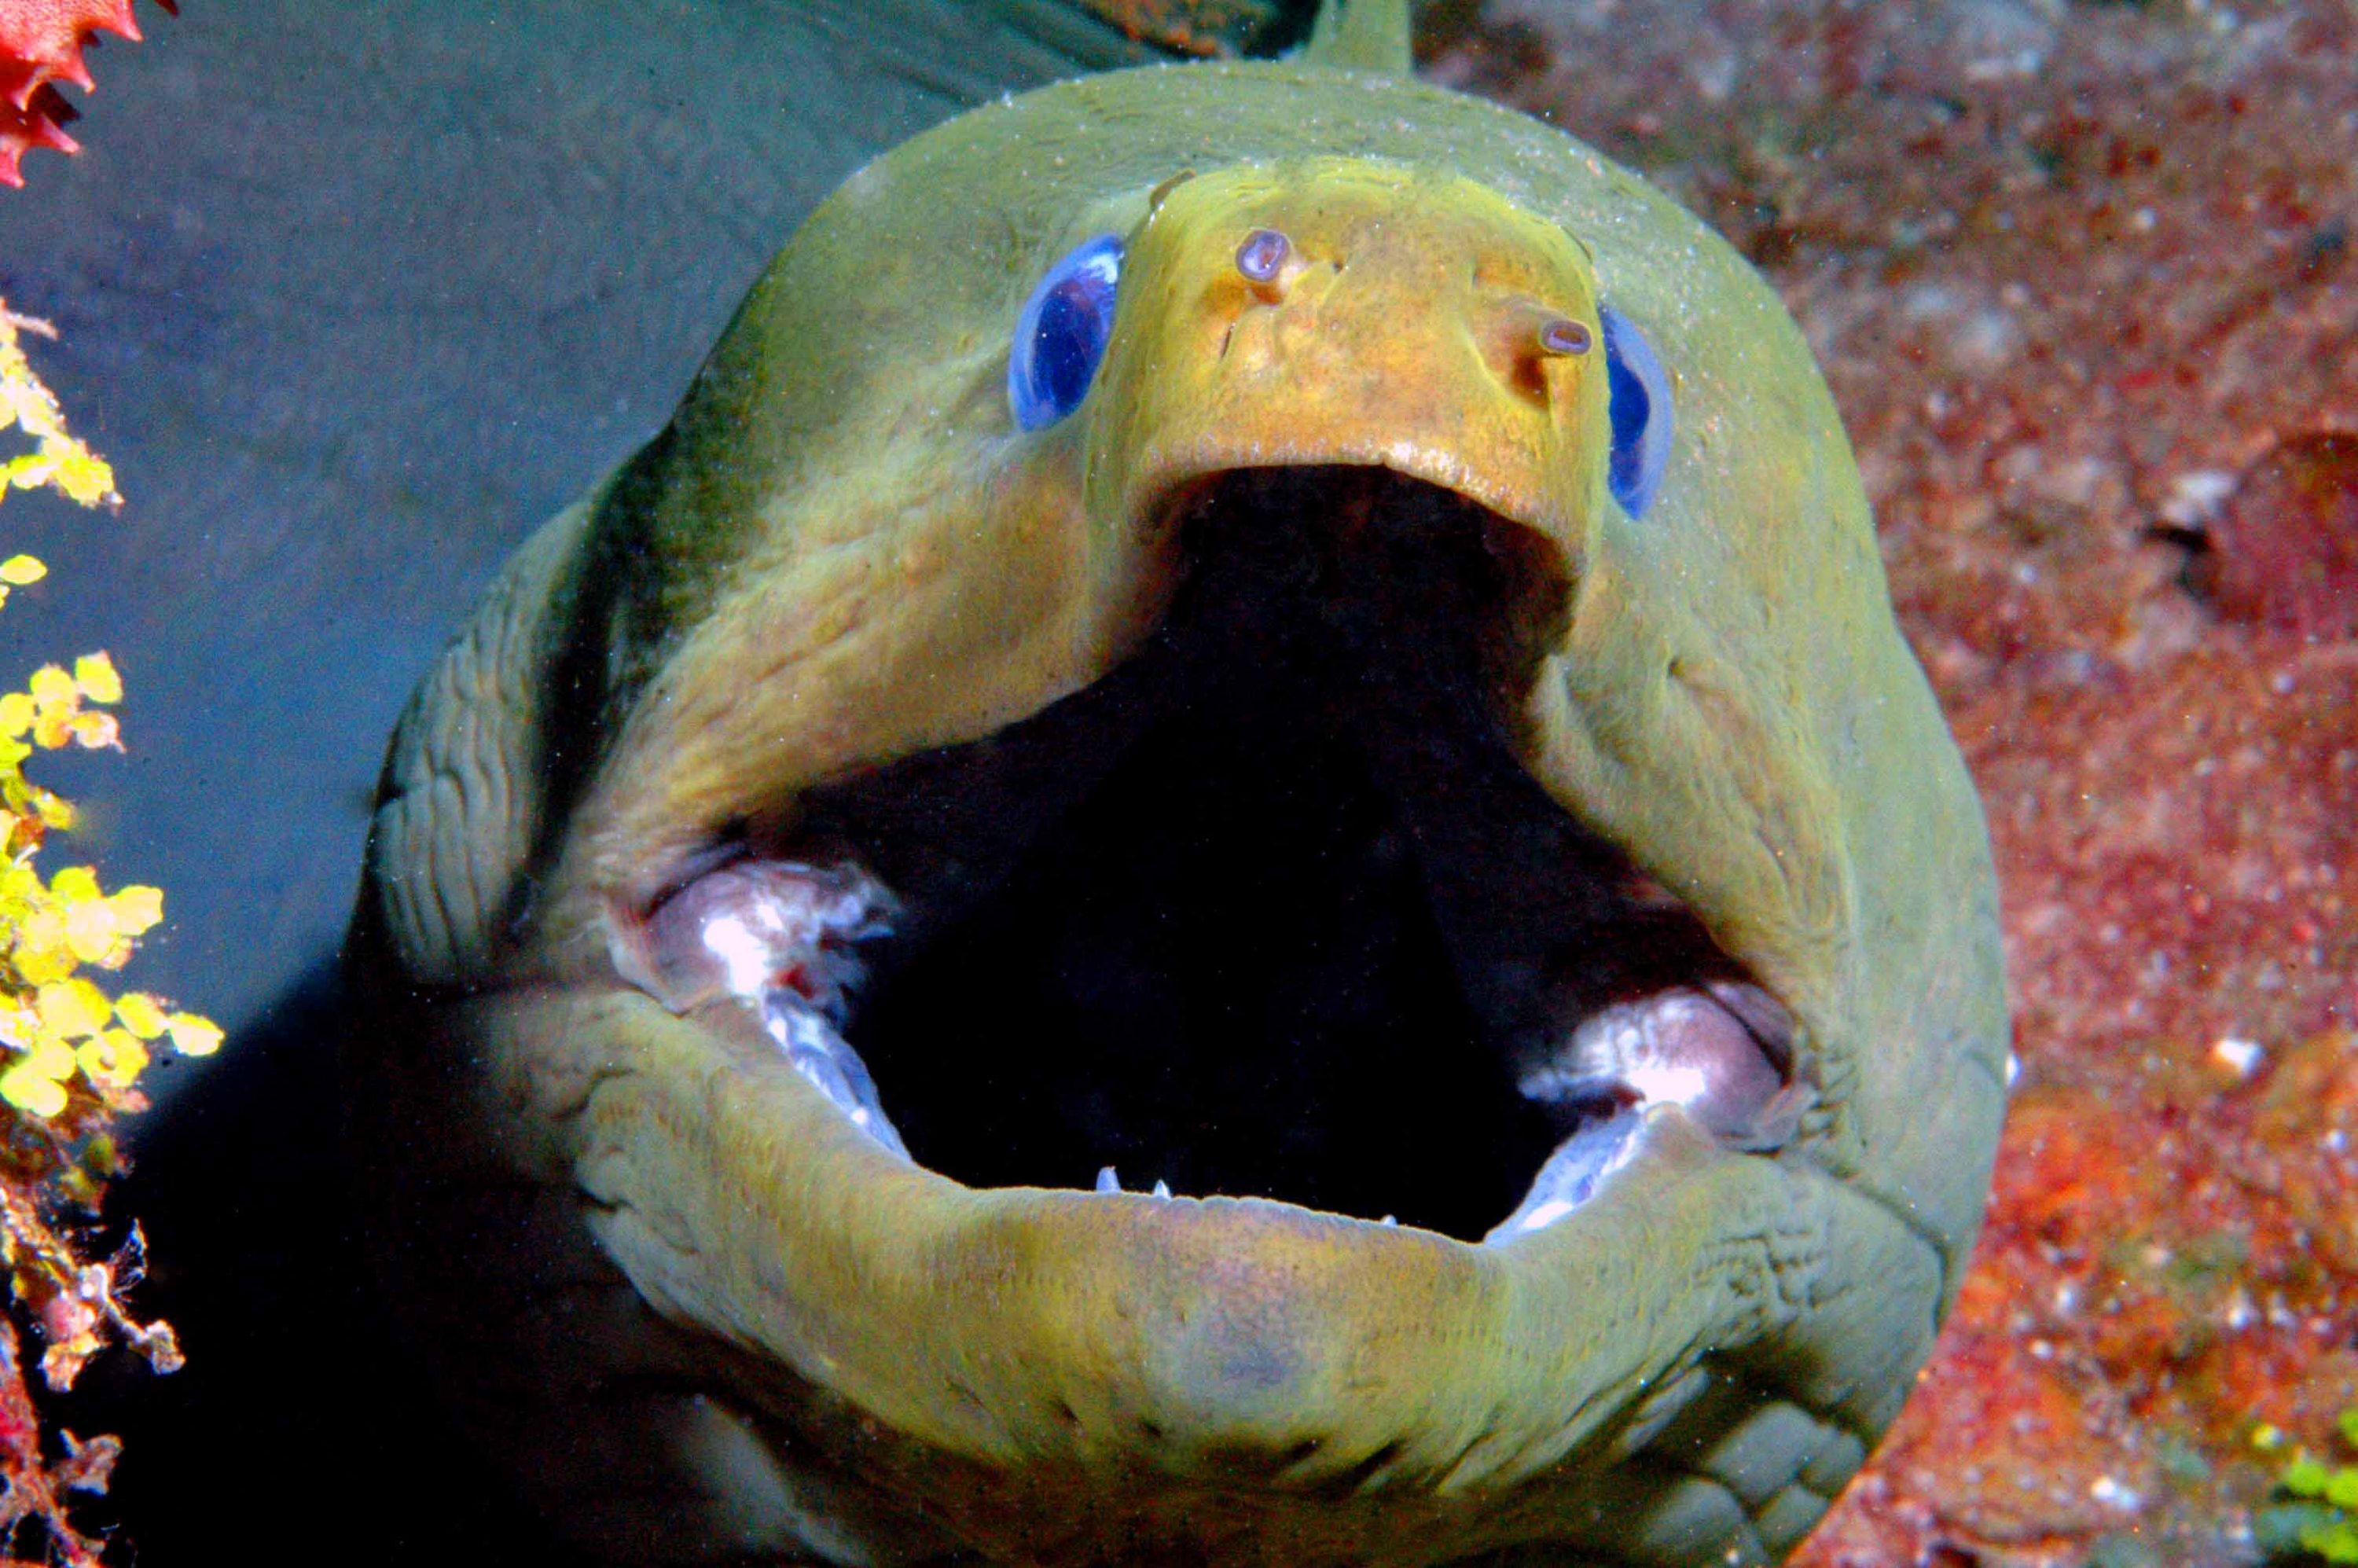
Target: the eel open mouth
pixel 1272 910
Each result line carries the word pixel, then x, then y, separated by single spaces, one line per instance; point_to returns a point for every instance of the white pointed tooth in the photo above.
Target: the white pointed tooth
pixel 808 1039
pixel 1573 1174
pixel 1106 1181
pixel 1163 1189
pixel 1547 1214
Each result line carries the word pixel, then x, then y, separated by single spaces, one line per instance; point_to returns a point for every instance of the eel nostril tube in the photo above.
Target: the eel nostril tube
pixel 1524 337
pixel 1261 259
pixel 1564 337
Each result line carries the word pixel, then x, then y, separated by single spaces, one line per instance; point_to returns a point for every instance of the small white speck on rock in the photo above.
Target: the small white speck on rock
pixel 2113 1494
pixel 2194 498
pixel 2238 1055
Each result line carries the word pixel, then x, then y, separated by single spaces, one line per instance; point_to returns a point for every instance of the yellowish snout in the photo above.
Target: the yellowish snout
pixel 1339 311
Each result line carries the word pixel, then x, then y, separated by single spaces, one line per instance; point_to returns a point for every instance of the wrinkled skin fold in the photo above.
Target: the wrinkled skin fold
pixel 710 1315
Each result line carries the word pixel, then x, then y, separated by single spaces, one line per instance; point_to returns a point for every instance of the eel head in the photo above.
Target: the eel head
pixel 1177 639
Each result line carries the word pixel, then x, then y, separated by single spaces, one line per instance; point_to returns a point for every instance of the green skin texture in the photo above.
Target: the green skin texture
pixel 707 1320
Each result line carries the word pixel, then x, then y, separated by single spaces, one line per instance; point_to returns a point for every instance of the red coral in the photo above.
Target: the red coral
pixel 41 43
pixel 36 1484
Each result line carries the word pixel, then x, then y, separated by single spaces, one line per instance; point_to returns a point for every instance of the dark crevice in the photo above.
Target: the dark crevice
pixel 1355 1479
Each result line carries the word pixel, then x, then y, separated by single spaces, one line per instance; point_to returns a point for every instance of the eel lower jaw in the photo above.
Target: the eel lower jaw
pixel 1253 1345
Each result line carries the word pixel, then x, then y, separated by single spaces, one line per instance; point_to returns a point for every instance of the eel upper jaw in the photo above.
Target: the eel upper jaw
pixel 1328 1367
pixel 1427 347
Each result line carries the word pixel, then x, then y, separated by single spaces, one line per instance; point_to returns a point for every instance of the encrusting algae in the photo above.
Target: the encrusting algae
pixel 74 1053
pixel 2317 1514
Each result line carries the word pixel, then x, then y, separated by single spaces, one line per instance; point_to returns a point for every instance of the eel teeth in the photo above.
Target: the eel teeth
pixel 1720 1052
pixel 806 1034
pixel 777 936
pixel 1108 1182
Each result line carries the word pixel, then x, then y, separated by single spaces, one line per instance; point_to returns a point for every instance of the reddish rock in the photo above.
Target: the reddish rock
pixel 2285 550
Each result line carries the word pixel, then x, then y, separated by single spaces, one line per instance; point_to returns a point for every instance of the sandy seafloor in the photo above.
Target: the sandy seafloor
pixel 2082 277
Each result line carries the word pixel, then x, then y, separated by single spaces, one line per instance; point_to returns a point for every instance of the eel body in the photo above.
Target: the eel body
pixel 1257 631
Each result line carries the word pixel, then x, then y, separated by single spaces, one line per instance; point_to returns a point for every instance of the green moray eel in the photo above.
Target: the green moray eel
pixel 1264 619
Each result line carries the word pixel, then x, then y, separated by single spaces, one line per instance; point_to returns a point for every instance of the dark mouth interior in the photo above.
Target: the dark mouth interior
pixel 1272 910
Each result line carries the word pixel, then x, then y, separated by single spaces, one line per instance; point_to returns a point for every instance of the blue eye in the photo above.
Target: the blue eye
pixel 1639 395
pixel 1062 334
